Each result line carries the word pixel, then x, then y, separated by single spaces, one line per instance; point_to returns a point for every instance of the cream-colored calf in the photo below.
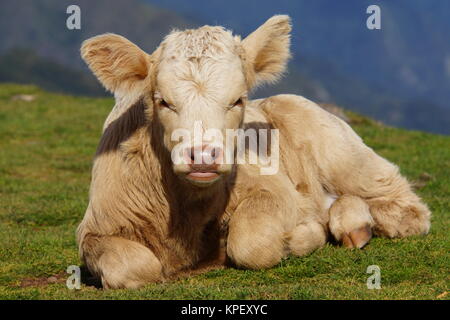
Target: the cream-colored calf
pixel 151 218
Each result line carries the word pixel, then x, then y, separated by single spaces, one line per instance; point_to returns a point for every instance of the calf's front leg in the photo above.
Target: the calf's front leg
pixel 350 221
pixel 119 262
pixel 256 236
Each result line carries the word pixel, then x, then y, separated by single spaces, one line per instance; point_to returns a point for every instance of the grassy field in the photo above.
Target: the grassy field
pixel 47 146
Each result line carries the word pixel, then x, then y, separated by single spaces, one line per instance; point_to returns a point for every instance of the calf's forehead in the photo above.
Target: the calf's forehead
pixel 209 79
pixel 212 42
pixel 205 61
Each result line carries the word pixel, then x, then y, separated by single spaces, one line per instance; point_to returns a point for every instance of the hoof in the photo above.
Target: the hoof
pixel 357 238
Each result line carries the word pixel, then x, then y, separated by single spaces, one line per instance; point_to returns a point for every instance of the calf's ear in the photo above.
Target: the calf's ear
pixel 116 62
pixel 267 50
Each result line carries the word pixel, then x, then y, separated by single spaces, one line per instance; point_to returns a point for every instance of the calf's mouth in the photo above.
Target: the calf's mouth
pixel 203 174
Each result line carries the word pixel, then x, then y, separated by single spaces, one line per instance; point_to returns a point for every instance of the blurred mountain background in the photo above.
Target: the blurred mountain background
pixel 399 75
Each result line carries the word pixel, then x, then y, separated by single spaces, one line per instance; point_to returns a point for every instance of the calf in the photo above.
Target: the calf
pixel 159 208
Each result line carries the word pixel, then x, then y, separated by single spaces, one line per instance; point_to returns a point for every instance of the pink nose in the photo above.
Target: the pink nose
pixel 205 156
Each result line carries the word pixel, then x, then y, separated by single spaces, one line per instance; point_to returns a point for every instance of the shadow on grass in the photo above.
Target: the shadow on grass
pixel 89 280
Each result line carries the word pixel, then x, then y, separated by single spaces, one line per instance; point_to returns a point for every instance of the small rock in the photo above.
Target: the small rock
pixel 425 176
pixel 422 181
pixel 23 97
pixel 419 184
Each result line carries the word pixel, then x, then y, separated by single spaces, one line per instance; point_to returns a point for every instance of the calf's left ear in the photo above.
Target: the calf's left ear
pixel 267 50
pixel 116 62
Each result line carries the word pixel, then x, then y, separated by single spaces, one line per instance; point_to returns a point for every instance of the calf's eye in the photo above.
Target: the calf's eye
pixel 163 103
pixel 238 103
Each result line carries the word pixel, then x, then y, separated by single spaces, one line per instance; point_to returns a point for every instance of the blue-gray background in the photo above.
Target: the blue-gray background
pixel 399 74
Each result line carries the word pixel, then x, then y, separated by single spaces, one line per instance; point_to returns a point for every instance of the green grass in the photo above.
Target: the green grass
pixel 47 147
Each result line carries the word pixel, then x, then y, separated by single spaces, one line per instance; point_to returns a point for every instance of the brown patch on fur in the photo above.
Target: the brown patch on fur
pixel 302 187
pixel 123 128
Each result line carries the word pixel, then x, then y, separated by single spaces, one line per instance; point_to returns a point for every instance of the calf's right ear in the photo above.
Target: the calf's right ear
pixel 118 64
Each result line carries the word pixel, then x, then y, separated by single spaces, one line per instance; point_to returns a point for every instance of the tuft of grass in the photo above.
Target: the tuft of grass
pixel 47 146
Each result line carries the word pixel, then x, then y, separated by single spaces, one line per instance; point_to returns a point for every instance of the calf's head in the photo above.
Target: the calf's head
pixel 195 85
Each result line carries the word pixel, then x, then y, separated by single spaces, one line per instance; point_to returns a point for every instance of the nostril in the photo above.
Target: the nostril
pixel 195 155
pixel 189 155
pixel 202 155
pixel 216 153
